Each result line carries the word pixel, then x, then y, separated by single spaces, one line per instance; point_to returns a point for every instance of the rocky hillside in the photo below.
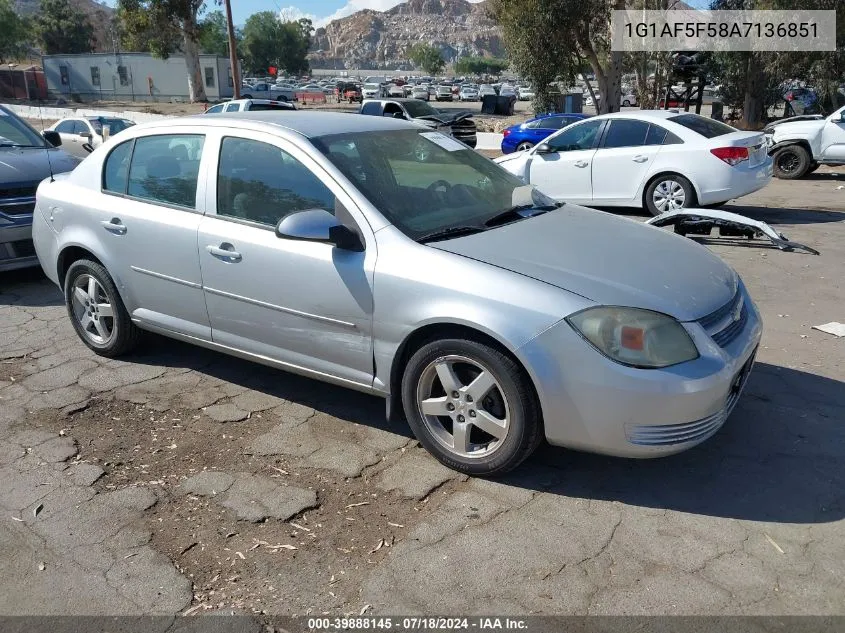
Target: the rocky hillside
pixel 100 16
pixel 375 39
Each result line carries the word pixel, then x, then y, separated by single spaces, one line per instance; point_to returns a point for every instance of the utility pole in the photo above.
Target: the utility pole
pixel 233 52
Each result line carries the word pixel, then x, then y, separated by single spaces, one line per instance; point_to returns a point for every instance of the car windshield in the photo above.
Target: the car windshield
pixel 14 132
pixel 115 125
pixel 419 108
pixel 708 128
pixel 426 182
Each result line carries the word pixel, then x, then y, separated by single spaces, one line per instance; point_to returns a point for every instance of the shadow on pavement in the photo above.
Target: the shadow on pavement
pixel 778 458
pixel 28 287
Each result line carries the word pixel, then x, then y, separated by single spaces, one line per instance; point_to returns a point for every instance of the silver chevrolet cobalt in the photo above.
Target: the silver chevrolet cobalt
pixel 386 257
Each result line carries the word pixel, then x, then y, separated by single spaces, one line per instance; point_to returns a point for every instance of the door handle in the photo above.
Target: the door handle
pixel 225 251
pixel 639 158
pixel 114 226
pixel 581 163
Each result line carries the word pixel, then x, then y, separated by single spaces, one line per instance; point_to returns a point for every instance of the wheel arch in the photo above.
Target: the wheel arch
pixel 668 172
pixel 73 251
pixel 437 330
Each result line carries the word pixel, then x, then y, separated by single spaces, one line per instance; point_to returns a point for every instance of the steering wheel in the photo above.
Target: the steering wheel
pixel 438 184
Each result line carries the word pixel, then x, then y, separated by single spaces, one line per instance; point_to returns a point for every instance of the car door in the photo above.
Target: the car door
pixel 622 162
pixel 70 130
pixel 833 137
pixel 563 172
pixel 305 304
pixel 147 218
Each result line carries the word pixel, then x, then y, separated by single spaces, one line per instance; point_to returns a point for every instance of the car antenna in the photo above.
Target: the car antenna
pixel 47 148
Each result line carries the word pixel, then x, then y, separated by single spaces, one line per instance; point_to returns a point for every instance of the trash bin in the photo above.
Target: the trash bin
pixel 568 103
pixel 494 104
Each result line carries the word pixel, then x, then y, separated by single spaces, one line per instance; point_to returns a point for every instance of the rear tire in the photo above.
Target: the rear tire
pixel 525 145
pixel 626 103
pixel 485 430
pixel 791 162
pixel 97 311
pixel 669 192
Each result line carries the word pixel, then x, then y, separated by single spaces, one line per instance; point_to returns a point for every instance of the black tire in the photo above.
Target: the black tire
pixel 525 145
pixel 246 96
pixel 813 167
pixel 525 427
pixel 791 162
pixel 626 103
pixel 657 181
pixel 124 334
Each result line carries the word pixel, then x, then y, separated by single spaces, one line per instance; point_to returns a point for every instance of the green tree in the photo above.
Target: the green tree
pixel 267 41
pixel 752 82
pixel 481 65
pixel 428 58
pixel 62 28
pixel 214 39
pixel 574 33
pixel 15 36
pixel 163 27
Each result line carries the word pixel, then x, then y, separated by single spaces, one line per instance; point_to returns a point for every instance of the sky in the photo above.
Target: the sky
pixel 322 12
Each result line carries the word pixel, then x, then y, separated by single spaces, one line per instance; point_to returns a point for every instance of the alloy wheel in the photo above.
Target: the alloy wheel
pixel 463 406
pixel 788 162
pixel 525 145
pixel 92 309
pixel 669 195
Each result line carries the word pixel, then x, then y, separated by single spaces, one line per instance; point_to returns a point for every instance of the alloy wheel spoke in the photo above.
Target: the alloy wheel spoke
pixel 102 330
pixel 105 310
pixel 447 376
pixel 434 406
pixel 92 288
pixel 460 437
pixel 489 424
pixel 479 387
pixel 80 296
pixel 85 321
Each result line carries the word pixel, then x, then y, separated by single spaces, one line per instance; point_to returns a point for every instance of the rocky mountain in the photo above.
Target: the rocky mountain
pixel 100 16
pixel 382 39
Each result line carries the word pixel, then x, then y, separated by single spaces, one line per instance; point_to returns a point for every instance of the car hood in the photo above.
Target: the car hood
pixel 608 259
pixel 802 128
pixel 23 166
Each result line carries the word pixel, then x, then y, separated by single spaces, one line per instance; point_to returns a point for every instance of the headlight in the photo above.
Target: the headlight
pixel 639 338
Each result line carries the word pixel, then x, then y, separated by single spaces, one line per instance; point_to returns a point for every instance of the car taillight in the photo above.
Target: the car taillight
pixel 506 132
pixel 733 156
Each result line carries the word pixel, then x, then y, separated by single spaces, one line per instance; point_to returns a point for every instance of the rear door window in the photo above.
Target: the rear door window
pixel 625 133
pixel 708 128
pixel 373 107
pixel 165 169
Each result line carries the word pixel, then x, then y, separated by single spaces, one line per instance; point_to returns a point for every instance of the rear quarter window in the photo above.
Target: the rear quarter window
pixel 708 128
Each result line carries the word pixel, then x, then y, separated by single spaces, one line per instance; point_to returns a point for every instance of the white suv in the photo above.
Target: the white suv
pixel 800 144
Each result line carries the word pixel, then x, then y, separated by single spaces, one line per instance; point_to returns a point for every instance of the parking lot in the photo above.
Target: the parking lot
pixel 180 480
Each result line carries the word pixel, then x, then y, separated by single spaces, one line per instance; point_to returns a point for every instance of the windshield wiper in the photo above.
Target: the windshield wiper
pixel 452 231
pixel 520 212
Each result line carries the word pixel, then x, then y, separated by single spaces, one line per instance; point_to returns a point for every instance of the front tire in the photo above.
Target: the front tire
pixel 471 406
pixel 791 162
pixel 669 192
pixel 97 311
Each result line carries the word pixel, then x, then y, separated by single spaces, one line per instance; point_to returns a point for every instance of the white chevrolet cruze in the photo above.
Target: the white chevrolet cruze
pixel 660 160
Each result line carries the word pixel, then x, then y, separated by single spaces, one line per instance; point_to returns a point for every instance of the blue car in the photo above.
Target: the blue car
pixel 526 135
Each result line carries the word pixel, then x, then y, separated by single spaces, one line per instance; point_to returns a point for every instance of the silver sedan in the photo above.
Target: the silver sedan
pixel 391 259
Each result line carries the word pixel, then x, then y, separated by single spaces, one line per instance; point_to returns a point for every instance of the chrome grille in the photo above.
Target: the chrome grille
pixel 726 323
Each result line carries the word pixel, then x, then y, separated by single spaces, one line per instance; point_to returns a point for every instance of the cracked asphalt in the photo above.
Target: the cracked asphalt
pixel 183 481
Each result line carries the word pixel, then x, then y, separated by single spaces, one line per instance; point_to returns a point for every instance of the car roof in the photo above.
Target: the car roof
pixel 309 124
pixel 654 115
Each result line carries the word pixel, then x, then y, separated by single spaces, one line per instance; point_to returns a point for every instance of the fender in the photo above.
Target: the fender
pixel 795 141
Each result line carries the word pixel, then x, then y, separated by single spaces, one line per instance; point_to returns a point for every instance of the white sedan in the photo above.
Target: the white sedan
pixel 91 130
pixel 660 160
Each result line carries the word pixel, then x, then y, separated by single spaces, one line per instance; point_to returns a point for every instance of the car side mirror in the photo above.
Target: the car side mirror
pixel 543 148
pixel 318 225
pixel 842 118
pixel 52 137
pixel 84 134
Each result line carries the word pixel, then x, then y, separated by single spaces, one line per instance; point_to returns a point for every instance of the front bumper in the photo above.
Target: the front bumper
pixel 16 249
pixel 593 404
